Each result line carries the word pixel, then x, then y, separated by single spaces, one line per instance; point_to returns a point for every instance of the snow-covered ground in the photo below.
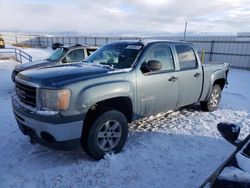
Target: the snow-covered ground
pixel 178 149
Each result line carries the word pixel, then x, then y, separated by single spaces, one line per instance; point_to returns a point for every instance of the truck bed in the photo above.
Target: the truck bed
pixel 209 71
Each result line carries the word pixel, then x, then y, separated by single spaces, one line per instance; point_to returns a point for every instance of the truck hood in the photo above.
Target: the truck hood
pixel 56 75
pixel 34 64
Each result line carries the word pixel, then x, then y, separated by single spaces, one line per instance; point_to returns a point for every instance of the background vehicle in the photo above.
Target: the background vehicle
pixel 61 55
pixel 121 82
pixel 235 171
pixel 56 45
pixel 2 43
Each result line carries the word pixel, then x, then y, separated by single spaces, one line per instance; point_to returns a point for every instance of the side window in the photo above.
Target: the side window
pixel 186 57
pixel 163 54
pixel 74 56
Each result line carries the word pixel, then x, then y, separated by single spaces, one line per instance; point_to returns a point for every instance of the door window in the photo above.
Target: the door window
pixel 186 57
pixel 163 54
pixel 74 56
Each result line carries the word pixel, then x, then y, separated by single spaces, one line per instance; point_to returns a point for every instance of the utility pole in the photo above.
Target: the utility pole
pixel 185 31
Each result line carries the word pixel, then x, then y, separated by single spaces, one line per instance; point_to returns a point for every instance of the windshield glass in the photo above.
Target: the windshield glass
pixel 117 55
pixel 57 54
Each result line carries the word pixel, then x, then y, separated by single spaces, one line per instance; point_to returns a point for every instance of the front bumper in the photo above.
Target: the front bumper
pixel 46 132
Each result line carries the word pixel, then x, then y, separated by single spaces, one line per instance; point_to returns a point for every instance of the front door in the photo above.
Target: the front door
pixel 157 91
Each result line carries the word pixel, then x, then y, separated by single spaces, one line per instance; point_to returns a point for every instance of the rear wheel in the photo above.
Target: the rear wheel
pixel 108 133
pixel 214 99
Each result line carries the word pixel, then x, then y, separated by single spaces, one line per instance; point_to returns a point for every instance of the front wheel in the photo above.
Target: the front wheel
pixel 213 101
pixel 108 133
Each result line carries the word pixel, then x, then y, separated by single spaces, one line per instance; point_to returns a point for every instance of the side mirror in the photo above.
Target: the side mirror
pixel 151 65
pixel 64 60
pixel 229 131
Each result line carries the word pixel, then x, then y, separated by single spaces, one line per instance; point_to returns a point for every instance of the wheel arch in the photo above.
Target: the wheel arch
pixel 122 104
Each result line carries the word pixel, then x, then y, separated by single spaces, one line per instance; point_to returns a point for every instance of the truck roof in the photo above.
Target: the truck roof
pixel 148 41
pixel 79 46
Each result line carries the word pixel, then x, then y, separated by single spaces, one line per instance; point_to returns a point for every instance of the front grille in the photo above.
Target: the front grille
pixel 26 94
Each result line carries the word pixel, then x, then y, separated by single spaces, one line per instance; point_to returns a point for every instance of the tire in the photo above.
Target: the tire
pixel 213 101
pixel 108 133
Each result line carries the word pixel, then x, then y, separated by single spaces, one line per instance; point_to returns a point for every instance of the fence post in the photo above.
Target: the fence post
pixel 30 41
pixel 106 40
pixel 203 53
pixel 16 54
pixel 85 40
pixel 38 39
pixel 16 39
pixel 20 56
pixel 95 41
pixel 69 41
pixel 76 40
pixel 211 50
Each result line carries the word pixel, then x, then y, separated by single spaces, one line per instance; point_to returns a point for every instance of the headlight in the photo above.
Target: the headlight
pixel 55 99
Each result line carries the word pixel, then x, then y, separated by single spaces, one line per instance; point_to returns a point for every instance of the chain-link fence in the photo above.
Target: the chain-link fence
pixel 217 48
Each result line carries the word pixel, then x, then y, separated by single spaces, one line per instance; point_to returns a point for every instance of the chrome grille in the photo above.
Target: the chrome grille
pixel 26 94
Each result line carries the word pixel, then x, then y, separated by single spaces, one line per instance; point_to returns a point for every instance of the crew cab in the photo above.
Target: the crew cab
pixel 92 103
pixel 61 55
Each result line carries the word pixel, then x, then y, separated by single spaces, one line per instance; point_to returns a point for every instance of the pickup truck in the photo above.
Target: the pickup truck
pixel 61 55
pixel 92 103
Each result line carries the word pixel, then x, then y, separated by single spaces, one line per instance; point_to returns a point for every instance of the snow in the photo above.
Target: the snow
pixel 171 149
pixel 243 161
pixel 234 174
pixel 120 70
pixel 241 174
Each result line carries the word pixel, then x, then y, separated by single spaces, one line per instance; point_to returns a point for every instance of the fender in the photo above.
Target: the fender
pixel 103 91
pixel 217 74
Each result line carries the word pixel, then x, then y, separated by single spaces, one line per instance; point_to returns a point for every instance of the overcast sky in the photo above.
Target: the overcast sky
pixel 125 16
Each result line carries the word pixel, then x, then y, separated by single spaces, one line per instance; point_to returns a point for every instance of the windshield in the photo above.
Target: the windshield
pixel 117 55
pixel 57 54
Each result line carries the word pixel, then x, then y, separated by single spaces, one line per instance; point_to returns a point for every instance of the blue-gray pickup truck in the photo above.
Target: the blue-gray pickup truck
pixel 92 103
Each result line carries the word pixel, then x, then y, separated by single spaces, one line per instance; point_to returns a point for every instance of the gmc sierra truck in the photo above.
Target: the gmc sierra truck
pixel 61 55
pixel 91 103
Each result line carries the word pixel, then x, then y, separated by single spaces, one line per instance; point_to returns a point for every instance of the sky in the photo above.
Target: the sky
pixel 125 16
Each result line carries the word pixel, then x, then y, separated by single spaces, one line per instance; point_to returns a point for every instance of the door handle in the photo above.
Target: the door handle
pixel 173 79
pixel 197 75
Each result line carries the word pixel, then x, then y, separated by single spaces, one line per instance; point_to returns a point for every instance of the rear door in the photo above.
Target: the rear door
pixel 190 75
pixel 157 91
